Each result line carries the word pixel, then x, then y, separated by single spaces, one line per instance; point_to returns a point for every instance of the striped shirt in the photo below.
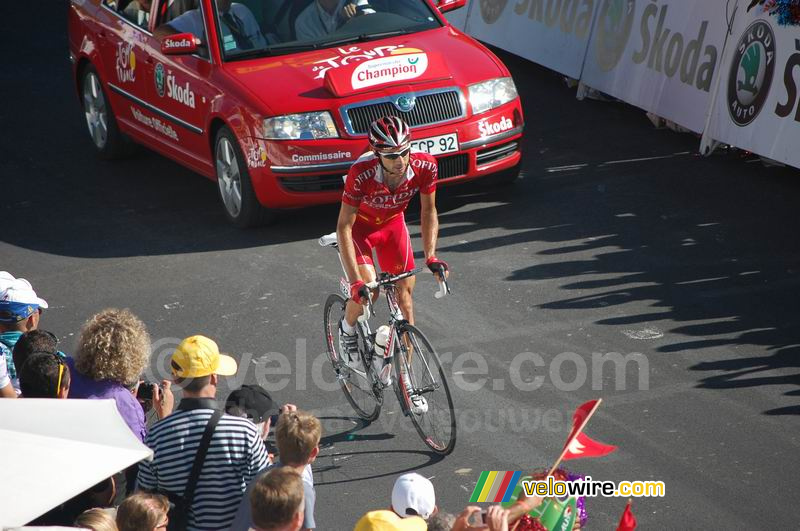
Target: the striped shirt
pixel 235 457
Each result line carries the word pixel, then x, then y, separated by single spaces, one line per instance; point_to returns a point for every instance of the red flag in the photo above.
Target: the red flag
pixel 583 446
pixel 578 443
pixel 628 521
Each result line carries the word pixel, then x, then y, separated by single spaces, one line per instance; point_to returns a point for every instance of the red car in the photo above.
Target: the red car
pixel 272 98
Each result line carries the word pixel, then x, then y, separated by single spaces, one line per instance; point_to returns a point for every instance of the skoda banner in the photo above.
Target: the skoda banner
pixel 756 106
pixel 552 33
pixel 659 55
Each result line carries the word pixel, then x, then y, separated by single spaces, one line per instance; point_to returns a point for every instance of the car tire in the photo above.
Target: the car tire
pixel 109 142
pixel 239 201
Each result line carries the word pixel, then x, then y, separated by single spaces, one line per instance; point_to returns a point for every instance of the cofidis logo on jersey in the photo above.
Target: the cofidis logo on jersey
pixel 402 64
pixel 751 73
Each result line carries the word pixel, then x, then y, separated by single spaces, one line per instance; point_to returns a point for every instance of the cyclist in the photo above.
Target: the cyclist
pixel 377 190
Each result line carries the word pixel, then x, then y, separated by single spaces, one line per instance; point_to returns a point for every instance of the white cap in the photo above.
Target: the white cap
pixel 413 495
pixel 18 290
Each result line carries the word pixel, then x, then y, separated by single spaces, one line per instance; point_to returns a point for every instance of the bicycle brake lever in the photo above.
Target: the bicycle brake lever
pixel 444 289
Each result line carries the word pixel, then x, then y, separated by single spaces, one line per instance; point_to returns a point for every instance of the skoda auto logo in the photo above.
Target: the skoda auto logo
pixel 492 9
pixel 405 103
pixel 613 30
pixel 751 73
pixel 159 79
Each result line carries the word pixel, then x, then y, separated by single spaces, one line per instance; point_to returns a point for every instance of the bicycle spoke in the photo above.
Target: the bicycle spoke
pixel 436 426
pixel 356 384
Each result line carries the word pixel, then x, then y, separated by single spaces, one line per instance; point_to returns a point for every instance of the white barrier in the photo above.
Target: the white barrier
pixel 552 33
pixel 458 17
pixel 756 106
pixel 658 55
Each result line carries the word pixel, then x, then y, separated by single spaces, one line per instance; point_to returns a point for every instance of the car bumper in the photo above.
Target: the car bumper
pixel 288 174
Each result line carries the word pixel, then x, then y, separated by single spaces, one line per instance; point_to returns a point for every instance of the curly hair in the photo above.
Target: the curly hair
pixel 114 345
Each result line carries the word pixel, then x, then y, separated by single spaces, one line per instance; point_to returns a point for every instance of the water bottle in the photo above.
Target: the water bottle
pixel 381 358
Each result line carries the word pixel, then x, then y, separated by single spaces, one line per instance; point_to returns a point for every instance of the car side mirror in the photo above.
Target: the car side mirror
pixel 449 5
pixel 179 44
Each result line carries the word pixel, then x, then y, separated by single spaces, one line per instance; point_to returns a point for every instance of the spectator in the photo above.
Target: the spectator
pixel 276 501
pixel 441 521
pixel 413 495
pixel 495 519
pixel 44 375
pixel 97 520
pixel 35 341
pixel 20 311
pixel 389 521
pixel 143 511
pixel 99 496
pixel 113 350
pixel 236 454
pixel 254 403
pixel 297 436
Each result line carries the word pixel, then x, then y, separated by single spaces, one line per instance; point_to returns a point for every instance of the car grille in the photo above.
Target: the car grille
pixel 485 156
pixel 429 109
pixel 453 166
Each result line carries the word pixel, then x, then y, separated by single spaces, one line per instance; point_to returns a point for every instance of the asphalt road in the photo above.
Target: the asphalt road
pixel 618 239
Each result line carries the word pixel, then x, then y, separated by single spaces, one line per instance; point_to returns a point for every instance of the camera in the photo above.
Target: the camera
pixel 146 390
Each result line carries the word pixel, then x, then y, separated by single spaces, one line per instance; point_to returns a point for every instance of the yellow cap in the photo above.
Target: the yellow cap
pixel 199 356
pixel 389 521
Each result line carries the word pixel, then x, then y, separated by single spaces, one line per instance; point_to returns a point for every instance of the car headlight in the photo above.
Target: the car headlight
pixel 305 126
pixel 490 94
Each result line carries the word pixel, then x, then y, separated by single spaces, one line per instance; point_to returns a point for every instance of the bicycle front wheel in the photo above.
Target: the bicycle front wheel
pixel 357 384
pixel 436 424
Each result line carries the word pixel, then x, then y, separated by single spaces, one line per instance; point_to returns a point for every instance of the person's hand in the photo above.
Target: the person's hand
pixel 437 267
pixel 497 518
pixel 464 521
pixel 287 408
pixel 359 292
pixel 349 11
pixel 163 399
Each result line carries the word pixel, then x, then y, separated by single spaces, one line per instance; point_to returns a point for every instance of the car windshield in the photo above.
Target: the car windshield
pixel 255 28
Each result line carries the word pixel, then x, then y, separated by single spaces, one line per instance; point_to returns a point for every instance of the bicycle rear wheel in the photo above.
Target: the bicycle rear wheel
pixel 358 385
pixel 436 426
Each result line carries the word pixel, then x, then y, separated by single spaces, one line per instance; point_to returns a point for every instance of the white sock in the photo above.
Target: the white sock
pixel 349 330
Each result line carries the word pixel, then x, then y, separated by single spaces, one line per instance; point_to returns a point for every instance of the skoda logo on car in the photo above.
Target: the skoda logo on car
pixel 405 103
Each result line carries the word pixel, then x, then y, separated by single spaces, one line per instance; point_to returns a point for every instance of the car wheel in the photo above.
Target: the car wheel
pixel 103 130
pixel 233 181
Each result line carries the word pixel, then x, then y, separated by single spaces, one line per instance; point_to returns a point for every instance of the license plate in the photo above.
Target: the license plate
pixel 437 145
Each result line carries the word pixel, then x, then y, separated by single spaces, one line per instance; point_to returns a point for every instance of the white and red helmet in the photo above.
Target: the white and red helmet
pixel 389 134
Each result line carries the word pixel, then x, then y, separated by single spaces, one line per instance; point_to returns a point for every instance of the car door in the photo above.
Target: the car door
pixel 180 91
pixel 123 50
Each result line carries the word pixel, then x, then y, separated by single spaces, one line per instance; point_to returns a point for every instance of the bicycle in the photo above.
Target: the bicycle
pixel 406 347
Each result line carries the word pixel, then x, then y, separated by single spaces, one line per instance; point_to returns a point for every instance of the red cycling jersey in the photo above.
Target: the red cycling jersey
pixel 364 186
pixel 380 224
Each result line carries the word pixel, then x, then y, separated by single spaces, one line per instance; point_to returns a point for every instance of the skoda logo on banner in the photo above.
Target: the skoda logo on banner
pixel 492 9
pixel 751 73
pixel 405 103
pixel 158 76
pixel 613 30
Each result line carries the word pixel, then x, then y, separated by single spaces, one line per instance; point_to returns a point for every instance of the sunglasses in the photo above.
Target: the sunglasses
pixel 395 156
